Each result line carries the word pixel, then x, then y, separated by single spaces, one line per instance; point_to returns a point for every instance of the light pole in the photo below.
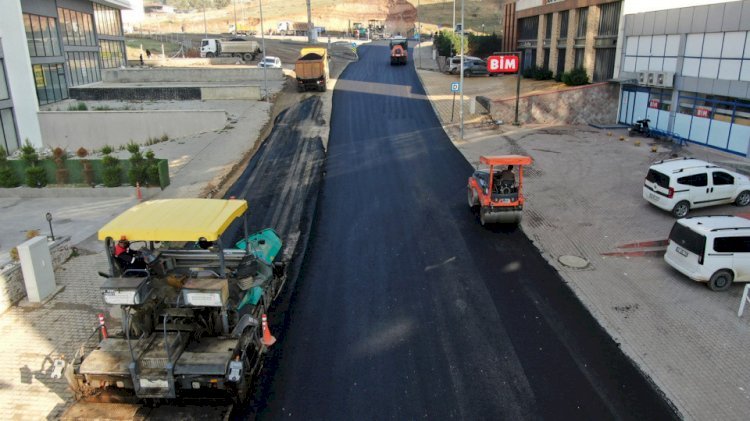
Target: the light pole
pixel 263 46
pixel 49 220
pixel 461 88
pixel 419 36
pixel 205 27
pixel 235 16
pixel 453 28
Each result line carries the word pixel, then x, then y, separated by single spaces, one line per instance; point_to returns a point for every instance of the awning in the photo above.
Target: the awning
pixel 175 220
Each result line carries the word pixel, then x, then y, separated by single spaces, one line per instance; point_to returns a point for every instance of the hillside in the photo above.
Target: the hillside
pixel 334 15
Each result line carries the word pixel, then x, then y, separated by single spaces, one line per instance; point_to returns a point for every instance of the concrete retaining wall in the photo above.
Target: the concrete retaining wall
pixel 596 103
pixel 12 288
pixel 193 75
pixel 231 92
pixel 94 129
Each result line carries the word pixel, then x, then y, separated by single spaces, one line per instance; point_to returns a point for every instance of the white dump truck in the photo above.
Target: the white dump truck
pixel 245 49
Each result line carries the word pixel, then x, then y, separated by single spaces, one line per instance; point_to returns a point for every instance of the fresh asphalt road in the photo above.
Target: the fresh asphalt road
pixel 406 307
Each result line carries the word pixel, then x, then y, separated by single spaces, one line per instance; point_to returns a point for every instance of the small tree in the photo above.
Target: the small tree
pixel 7 176
pixel 111 171
pixel 152 169
pixel 88 172
pixel 35 174
pixel 137 172
pixel 61 173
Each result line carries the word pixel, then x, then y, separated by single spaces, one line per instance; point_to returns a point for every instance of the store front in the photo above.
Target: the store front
pixel 718 122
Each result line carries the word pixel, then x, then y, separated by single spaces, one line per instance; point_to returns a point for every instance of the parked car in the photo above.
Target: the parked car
pixel 475 68
pixel 270 62
pixel 711 249
pixel 454 63
pixel 678 185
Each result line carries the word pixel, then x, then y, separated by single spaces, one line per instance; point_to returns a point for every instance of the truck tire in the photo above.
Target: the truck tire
pixel 247 57
pixel 210 55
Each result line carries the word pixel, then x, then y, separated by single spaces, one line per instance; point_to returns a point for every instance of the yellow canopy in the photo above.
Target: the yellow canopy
pixel 175 220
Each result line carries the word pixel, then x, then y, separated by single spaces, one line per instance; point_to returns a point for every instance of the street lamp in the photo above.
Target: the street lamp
pixel 263 46
pixel 461 88
pixel 49 221
pixel 235 17
pixel 205 27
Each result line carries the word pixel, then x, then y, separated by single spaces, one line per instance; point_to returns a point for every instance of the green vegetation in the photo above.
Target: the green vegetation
pixel 112 171
pixel 7 175
pixel 79 106
pixel 449 44
pixel 35 174
pixel 537 73
pixel 575 77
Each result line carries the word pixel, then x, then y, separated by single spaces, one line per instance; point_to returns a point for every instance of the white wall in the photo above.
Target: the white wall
pixel 528 4
pixel 93 129
pixel 639 6
pixel 19 74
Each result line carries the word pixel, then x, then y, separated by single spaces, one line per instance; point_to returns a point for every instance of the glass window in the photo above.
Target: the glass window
pixel 107 20
pixel 50 83
pixel 579 58
pixel 658 178
pixel 77 28
pixel 721 178
pixel 732 244
pixel 41 36
pixel 112 54
pixel 688 239
pixel 8 138
pixel 84 67
pixel 583 16
pixel 3 82
pixel 563 16
pixel 548 26
pixel 697 180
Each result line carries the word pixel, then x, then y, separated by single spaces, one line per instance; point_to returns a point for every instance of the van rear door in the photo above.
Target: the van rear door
pixel 686 250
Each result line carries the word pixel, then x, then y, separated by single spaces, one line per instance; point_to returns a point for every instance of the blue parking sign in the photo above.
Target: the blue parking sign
pixel 455 87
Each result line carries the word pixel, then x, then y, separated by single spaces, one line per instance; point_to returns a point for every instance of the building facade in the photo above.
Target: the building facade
pixel 46 47
pixel 687 69
pixel 561 35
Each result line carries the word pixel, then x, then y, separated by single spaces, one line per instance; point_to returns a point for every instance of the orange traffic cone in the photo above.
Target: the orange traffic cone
pixel 268 339
pixel 103 327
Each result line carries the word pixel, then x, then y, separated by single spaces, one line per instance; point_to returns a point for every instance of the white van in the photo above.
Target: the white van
pixel 713 249
pixel 678 185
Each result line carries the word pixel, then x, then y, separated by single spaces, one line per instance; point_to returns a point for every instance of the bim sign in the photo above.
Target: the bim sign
pixel 502 64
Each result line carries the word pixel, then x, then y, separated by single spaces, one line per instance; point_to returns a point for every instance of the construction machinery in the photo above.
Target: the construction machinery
pixel 376 28
pixel 399 50
pixel 311 69
pixel 496 190
pixel 192 314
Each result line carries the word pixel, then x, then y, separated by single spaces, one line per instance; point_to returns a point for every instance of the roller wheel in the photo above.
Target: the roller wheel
pixel 472 198
pixel 483 219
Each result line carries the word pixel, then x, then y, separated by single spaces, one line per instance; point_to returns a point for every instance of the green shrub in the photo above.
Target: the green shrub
pixel 7 175
pixel 484 45
pixel 29 154
pixel 537 72
pixel 137 171
pixel 81 106
pixel 36 177
pixel 152 169
pixel 575 77
pixel 111 173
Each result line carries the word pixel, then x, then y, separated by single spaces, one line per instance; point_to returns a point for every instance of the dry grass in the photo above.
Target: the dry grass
pixel 335 15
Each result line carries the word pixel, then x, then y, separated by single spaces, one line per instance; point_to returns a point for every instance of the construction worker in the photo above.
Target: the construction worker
pixel 507 177
pixel 127 258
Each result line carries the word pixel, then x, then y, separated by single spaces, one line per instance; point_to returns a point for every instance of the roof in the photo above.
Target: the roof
pixel 175 220
pixel 672 165
pixel 506 160
pixel 706 224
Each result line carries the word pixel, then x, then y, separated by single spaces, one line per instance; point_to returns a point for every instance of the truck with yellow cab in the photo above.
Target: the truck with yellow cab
pixel 193 317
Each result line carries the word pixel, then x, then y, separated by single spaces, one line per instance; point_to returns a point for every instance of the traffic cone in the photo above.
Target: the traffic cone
pixel 102 327
pixel 268 339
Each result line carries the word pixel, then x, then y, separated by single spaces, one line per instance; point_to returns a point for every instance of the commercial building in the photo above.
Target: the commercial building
pixel 685 65
pixel 47 47
pixel 560 35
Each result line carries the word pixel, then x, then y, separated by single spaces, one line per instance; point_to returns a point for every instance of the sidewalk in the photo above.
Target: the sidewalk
pixel 584 200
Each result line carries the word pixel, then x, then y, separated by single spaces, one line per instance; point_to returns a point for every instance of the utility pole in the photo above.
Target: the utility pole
pixel 205 27
pixel 263 46
pixel 309 23
pixel 453 28
pixel 419 36
pixel 235 16
pixel 461 89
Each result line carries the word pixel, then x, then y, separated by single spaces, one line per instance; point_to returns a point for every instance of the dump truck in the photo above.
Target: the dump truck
pixel 292 28
pixel 240 29
pixel 312 69
pixel 399 50
pixel 193 306
pixel 244 49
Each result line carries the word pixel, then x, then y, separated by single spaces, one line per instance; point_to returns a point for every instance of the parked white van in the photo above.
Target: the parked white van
pixel 713 249
pixel 678 185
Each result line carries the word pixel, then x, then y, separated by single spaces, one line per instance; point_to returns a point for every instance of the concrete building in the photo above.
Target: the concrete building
pixel 560 35
pixel 685 65
pixel 47 47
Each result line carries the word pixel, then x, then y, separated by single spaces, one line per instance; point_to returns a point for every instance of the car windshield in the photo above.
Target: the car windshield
pixel 658 178
pixel 688 239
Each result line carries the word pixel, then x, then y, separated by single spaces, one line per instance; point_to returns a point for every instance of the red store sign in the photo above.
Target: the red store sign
pixel 502 64
pixel 653 103
pixel 702 112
